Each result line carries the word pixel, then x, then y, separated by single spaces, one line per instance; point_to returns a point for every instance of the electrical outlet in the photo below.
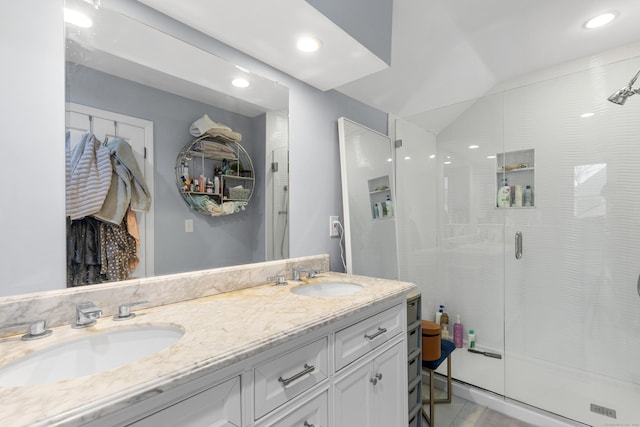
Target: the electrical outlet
pixel 334 226
pixel 188 226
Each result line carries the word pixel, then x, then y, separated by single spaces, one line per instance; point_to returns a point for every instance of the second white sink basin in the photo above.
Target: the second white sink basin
pixel 88 355
pixel 327 289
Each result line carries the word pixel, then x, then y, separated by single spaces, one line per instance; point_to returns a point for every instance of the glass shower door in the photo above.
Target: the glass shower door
pixel 572 322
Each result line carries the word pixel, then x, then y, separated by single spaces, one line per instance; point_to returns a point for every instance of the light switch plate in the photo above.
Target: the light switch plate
pixel 188 226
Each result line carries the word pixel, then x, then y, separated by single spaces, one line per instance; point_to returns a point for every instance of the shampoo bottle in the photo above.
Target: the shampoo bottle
pixel 526 196
pixel 439 314
pixel 457 332
pixel 472 338
pixel 504 195
pixel 389 205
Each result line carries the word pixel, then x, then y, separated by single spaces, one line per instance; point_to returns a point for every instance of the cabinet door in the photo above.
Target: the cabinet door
pixel 391 388
pixel 353 399
pixel 218 406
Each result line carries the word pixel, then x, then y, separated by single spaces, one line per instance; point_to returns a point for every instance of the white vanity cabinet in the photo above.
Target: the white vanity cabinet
pixel 350 372
pixel 370 357
pixel 373 394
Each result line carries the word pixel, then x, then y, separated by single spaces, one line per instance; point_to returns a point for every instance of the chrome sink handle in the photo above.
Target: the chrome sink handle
pixel 37 329
pixel 124 310
pixel 86 315
pixel 311 273
pixel 280 279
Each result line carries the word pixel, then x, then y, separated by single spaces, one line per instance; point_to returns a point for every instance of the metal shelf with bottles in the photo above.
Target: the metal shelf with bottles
pixel 215 176
pixel 517 169
pixel 380 198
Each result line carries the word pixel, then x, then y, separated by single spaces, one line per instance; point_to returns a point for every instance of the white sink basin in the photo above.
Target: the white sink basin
pixel 88 355
pixel 327 289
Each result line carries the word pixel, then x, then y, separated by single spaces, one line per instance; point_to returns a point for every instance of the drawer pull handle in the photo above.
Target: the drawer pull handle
pixel 306 424
pixel 373 380
pixel 377 334
pixel 307 369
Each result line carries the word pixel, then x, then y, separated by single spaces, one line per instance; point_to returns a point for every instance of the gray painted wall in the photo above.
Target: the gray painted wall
pixel 216 241
pixel 368 21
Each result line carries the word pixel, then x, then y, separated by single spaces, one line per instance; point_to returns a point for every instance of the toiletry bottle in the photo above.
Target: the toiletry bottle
pixel 526 196
pixel 472 338
pixel 504 195
pixel 444 325
pixel 457 332
pixel 517 199
pixel 439 314
pixel 389 204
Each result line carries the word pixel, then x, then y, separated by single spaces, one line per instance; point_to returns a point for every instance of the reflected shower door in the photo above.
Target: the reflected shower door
pixel 280 206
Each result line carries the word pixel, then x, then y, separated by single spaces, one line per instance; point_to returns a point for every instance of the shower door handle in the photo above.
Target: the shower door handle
pixel 638 285
pixel 518 244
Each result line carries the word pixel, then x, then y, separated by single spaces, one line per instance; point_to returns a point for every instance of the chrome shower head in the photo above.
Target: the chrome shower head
pixel 620 96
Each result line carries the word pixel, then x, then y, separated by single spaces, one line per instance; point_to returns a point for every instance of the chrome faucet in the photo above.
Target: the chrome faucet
pixel 37 329
pixel 124 310
pixel 311 273
pixel 280 279
pixel 86 315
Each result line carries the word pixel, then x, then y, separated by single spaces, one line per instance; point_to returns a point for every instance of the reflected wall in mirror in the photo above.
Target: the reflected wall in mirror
pixel 368 199
pixel 121 72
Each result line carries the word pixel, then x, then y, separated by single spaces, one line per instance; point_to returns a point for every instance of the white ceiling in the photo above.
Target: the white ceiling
pixel 444 51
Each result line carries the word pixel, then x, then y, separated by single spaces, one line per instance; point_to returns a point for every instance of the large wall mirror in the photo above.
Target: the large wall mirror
pixel 127 79
pixel 368 200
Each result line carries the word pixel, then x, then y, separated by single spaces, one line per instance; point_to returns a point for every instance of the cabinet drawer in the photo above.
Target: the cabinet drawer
pixel 414 338
pixel 414 367
pixel 415 394
pixel 362 337
pixel 288 375
pixel 413 308
pixel 217 406
pixel 312 413
pixel 415 417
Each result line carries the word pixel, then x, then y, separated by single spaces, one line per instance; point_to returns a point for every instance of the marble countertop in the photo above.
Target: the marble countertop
pixel 219 330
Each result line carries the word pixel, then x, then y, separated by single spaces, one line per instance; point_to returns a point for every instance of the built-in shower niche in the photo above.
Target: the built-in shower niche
pixel 518 168
pixel 380 198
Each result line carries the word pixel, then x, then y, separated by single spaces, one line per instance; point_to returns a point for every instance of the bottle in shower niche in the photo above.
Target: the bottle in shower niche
pixel 526 196
pixel 504 195
pixel 389 204
pixel 457 332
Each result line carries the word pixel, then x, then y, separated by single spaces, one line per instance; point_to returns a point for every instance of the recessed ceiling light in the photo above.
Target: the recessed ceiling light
pixel 407 158
pixel 473 147
pixel 585 115
pixel 491 157
pixel 240 82
pixel 433 156
pixel 447 163
pixel 76 18
pixel 308 44
pixel 600 20
pixel 389 160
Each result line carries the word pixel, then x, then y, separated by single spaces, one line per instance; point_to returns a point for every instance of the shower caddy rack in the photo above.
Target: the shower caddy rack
pixel 239 172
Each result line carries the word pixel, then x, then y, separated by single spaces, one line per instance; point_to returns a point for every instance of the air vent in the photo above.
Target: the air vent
pixel 607 412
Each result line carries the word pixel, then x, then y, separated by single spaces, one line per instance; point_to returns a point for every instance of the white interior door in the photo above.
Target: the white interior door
pixel 138 133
